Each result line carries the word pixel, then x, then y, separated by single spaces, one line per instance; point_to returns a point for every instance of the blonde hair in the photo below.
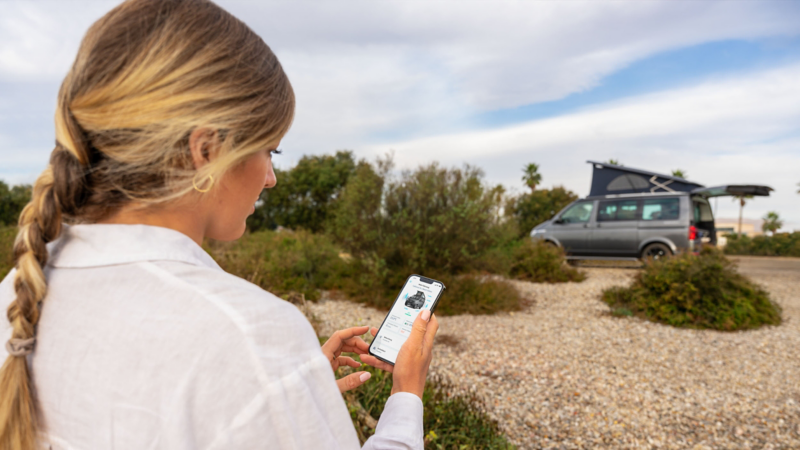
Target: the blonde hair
pixel 147 74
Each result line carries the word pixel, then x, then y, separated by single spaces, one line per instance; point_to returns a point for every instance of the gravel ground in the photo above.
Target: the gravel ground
pixel 565 374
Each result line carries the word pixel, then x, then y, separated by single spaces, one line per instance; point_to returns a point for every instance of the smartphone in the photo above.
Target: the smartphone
pixel 417 294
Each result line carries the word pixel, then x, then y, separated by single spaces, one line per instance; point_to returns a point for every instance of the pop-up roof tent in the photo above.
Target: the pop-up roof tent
pixel 608 179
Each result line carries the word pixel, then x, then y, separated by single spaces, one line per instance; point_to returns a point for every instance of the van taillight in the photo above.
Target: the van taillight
pixel 692 233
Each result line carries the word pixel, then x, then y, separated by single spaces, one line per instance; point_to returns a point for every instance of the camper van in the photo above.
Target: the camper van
pixel 636 214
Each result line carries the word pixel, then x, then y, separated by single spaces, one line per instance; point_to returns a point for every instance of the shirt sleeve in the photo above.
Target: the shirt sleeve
pixel 400 425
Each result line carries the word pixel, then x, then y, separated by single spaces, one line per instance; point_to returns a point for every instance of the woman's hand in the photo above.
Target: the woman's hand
pixel 348 340
pixel 414 358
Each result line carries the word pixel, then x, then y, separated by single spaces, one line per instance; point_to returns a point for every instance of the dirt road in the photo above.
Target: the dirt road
pixel 768 265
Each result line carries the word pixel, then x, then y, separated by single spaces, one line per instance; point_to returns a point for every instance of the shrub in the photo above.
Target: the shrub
pixel 531 209
pixel 779 244
pixel 304 194
pixel 451 421
pixel 465 294
pixel 7 236
pixel 540 262
pixel 472 294
pixel 431 218
pixel 12 200
pixel 281 263
pixel 690 291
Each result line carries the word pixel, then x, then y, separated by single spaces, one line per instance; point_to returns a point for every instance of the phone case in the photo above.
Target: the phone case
pixel 433 307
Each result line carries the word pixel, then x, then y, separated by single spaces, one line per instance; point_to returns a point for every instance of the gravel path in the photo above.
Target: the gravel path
pixel 565 374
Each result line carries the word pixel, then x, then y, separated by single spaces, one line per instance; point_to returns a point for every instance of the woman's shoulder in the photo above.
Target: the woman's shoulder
pixel 260 315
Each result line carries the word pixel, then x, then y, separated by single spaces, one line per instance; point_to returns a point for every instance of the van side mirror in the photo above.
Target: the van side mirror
pixel 559 221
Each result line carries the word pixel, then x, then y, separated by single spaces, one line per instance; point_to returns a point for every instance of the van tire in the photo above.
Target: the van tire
pixel 655 251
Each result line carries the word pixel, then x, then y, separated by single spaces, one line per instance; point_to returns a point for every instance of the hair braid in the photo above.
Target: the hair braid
pixel 39 223
pixel 61 188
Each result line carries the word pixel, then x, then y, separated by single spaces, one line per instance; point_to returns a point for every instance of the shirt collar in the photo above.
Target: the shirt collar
pixel 109 244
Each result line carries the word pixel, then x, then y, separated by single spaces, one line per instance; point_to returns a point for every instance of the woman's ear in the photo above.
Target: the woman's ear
pixel 204 144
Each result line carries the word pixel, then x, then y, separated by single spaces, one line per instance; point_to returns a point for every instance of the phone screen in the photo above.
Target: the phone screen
pixel 418 293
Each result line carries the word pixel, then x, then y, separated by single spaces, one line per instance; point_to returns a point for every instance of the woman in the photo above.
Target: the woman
pixel 122 332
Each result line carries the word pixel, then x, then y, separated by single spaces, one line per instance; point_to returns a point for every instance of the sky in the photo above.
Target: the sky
pixel 708 87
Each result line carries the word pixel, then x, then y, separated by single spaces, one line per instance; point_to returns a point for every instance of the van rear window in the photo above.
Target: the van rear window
pixel 661 209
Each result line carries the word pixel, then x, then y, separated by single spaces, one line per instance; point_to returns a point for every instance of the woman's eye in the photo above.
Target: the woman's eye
pixel 276 151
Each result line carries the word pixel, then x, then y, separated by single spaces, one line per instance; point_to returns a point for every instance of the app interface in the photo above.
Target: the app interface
pixel 415 296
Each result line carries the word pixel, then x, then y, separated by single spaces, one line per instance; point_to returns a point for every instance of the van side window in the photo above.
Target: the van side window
pixel 578 213
pixel 618 210
pixel 661 209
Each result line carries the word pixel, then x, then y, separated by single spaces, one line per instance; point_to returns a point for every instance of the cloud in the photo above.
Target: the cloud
pixel 374 75
pixel 732 131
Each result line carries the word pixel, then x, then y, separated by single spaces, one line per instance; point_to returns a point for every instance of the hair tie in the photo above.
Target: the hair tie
pixel 20 347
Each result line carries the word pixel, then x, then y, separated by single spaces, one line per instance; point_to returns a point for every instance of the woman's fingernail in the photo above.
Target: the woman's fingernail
pixel 426 314
pixel 365 376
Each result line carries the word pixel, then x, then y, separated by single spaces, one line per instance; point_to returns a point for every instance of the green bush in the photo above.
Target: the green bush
pixel 476 295
pixel 465 294
pixel 779 244
pixel 283 262
pixel 451 421
pixel 531 209
pixel 12 200
pixel 7 236
pixel 690 291
pixel 540 262
pixel 432 218
pixel 304 194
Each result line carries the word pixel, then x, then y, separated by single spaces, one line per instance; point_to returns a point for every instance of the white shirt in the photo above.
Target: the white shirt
pixel 145 343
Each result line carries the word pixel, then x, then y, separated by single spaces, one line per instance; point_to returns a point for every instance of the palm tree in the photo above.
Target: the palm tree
pixel 614 162
pixel 532 176
pixel 772 222
pixel 679 173
pixel 742 201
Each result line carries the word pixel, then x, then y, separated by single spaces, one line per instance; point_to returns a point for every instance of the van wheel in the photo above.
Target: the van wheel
pixel 656 252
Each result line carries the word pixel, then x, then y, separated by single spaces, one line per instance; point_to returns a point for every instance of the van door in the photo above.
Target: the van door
pixel 571 228
pixel 664 219
pixel 615 230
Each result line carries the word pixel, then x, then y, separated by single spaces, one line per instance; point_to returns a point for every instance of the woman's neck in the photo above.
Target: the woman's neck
pixel 178 218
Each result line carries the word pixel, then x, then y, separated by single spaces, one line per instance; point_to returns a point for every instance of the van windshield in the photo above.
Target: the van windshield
pixel 578 213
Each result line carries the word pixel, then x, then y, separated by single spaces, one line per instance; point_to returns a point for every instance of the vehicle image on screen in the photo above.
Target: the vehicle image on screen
pixel 632 213
pixel 416 301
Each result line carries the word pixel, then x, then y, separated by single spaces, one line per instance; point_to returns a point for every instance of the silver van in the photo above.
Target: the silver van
pixel 632 213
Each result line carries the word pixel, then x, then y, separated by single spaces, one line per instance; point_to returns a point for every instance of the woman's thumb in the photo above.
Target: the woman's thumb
pixel 353 381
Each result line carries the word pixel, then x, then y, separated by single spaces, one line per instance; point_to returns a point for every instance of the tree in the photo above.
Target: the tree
pixel 772 222
pixel 742 201
pixel 614 162
pixel 531 209
pixel 679 173
pixel 531 176
pixel 12 200
pixel 304 194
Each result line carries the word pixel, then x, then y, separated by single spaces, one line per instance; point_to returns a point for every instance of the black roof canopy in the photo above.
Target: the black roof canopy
pixel 610 179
